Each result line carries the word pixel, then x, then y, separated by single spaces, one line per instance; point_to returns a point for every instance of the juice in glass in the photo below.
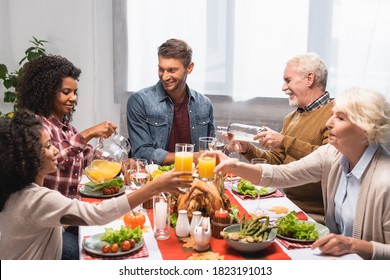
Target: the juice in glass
pixel 206 167
pixel 184 156
pixel 102 170
pixel 183 161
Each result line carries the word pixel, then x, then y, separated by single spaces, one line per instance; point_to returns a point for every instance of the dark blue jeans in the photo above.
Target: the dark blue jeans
pixel 70 244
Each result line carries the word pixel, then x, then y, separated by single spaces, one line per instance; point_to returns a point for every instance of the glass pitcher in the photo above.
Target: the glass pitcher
pixel 107 158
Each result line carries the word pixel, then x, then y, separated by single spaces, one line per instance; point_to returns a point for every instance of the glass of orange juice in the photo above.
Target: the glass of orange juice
pixel 206 164
pixel 184 157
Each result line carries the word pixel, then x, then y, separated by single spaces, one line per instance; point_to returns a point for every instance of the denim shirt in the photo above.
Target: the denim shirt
pixel 150 118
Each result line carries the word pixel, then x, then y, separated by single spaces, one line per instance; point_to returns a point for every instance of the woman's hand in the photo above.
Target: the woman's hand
pixel 171 181
pixel 103 130
pixel 225 164
pixel 337 245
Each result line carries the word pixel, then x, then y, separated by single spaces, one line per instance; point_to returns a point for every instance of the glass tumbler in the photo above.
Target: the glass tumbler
pixel 161 214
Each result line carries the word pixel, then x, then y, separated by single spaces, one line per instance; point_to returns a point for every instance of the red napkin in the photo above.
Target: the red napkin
pixel 143 252
pixel 293 245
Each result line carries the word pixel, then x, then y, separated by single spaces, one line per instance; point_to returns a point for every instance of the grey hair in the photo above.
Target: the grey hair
pixel 369 110
pixel 311 62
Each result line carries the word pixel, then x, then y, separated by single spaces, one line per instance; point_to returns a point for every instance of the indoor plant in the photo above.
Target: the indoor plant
pixel 10 79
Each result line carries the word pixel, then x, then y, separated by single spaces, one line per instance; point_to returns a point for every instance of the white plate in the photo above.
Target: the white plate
pixel 322 231
pixel 94 245
pixel 87 191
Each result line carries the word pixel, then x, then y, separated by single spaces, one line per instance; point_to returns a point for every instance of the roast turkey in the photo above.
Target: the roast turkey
pixel 203 196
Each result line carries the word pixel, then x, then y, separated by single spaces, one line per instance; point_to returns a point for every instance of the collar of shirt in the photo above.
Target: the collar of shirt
pixel 318 103
pixel 57 123
pixel 164 95
pixel 362 164
pixel 347 192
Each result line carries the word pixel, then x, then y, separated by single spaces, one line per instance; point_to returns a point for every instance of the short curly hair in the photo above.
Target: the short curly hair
pixel 41 80
pixel 21 153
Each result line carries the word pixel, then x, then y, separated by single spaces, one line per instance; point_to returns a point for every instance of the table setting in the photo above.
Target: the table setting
pixel 209 222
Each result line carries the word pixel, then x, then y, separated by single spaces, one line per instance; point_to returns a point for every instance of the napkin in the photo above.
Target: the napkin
pixel 141 253
pixel 292 245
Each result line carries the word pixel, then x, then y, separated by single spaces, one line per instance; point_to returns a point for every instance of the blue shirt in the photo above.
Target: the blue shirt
pixel 150 116
pixel 348 190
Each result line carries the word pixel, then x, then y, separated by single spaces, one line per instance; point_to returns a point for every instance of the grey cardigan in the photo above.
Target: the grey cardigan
pixel 372 220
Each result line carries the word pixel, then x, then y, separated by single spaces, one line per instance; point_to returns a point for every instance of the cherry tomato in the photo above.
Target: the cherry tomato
pixel 125 245
pixel 106 249
pixel 134 219
pixel 114 248
pixel 132 243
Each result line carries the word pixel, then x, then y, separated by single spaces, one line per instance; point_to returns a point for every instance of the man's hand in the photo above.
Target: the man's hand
pixel 269 139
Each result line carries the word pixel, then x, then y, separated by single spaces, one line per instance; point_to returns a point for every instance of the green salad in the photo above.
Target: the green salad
pixel 246 187
pixel 117 181
pixel 117 236
pixel 290 226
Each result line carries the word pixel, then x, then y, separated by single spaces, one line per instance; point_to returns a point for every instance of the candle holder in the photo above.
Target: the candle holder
pixel 218 224
pixel 161 213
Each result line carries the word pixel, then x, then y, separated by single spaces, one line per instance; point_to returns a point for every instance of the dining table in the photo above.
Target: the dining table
pixel 175 248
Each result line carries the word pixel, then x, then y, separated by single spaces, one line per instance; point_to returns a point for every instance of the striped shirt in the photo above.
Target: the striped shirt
pixel 74 154
pixel 318 103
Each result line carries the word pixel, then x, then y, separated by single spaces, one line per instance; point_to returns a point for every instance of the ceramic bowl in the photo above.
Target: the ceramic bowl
pixel 247 247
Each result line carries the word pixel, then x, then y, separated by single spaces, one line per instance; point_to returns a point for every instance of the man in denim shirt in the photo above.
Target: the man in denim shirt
pixel 169 112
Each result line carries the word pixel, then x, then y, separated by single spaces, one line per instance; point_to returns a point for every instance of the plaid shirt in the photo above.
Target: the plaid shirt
pixel 318 103
pixel 74 154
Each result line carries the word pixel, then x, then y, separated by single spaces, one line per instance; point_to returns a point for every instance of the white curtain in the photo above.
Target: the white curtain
pixel 241 47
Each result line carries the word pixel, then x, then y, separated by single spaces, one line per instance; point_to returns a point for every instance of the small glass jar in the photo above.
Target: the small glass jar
pixel 244 132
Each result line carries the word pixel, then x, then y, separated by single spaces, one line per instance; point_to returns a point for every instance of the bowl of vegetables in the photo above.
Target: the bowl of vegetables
pixel 251 235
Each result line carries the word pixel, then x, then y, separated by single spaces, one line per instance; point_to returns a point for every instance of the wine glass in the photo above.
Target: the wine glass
pixel 220 135
pixel 136 175
pixel 258 161
pixel 233 153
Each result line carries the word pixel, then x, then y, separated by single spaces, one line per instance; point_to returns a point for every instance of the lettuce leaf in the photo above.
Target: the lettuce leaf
pixel 117 181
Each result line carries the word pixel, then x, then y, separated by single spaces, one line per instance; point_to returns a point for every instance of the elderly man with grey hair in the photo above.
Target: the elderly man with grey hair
pixel 304 130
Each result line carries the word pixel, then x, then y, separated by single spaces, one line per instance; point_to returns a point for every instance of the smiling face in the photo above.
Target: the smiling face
pixel 49 155
pixel 296 86
pixel 173 75
pixel 66 98
pixel 343 134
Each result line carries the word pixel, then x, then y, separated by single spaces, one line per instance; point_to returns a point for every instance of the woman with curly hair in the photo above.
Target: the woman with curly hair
pixel 49 87
pixel 32 216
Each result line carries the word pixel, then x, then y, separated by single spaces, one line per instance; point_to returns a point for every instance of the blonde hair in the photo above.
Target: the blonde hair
pixel 369 110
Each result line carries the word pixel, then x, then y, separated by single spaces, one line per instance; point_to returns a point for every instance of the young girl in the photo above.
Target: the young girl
pixel 32 216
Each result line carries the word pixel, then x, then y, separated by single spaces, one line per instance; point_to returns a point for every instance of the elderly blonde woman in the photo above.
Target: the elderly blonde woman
pixel 354 171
